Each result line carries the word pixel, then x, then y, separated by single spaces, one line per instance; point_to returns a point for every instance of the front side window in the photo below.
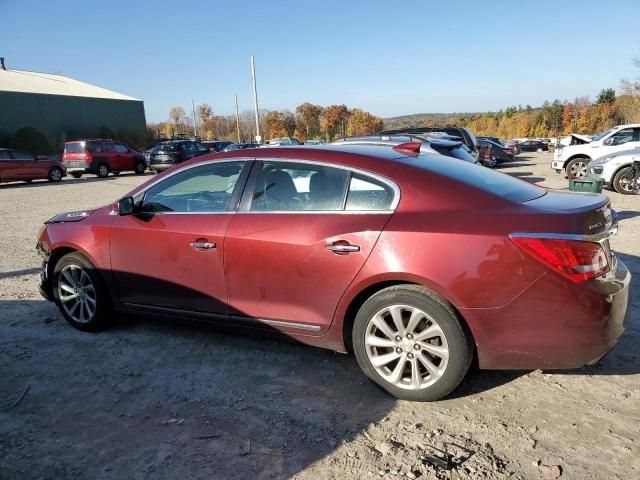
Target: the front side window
pixel 293 186
pixel 203 189
pixel 120 148
pixel 4 155
pixel 623 136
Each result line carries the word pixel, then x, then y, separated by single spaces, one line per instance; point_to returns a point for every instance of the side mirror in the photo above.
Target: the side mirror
pixel 609 141
pixel 125 206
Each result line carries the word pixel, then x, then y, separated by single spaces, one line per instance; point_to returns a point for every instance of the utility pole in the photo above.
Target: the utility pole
pixel 237 119
pixel 255 100
pixel 193 111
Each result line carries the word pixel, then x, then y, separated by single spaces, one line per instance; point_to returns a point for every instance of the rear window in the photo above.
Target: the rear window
pixel 74 147
pixel 485 179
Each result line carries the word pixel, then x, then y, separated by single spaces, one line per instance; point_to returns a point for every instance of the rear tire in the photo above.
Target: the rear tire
pixel 55 174
pixel 103 170
pixel 622 181
pixel 76 174
pixel 80 294
pixel 424 356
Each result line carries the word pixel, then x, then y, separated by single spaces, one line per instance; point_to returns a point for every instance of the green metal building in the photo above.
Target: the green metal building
pixel 61 107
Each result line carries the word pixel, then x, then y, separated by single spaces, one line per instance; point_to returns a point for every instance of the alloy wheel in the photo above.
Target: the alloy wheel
pixel 56 175
pixel 103 171
pixel 406 347
pixel 77 293
pixel 579 169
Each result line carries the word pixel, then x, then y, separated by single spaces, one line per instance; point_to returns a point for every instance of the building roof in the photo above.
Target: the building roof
pixel 53 84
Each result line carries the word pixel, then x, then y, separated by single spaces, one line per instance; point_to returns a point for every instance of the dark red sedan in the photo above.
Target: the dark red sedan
pixel 414 262
pixel 17 165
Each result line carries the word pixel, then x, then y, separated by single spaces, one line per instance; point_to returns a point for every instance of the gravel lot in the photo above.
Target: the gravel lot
pixel 151 399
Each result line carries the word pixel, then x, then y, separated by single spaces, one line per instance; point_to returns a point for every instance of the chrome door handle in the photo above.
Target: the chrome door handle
pixel 203 245
pixel 343 248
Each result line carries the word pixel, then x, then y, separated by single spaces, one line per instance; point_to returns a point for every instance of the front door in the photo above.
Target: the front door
pixel 122 158
pixel 169 254
pixel 298 241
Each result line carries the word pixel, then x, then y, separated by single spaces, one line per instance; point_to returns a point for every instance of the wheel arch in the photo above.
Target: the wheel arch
pixel 367 292
pixel 60 251
pixel 573 157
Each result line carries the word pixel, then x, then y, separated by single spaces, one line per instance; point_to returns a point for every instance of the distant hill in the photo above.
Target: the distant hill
pixel 420 118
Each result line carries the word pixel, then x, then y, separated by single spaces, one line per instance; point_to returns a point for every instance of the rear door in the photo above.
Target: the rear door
pixel 27 167
pixel 303 232
pixel 8 167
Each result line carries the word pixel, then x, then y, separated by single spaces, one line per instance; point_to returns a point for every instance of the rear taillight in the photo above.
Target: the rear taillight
pixel 87 157
pixel 577 260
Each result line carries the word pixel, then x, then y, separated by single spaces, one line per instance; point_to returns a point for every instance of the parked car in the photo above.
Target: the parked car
pixel 240 146
pixel 614 169
pixel 498 152
pixel 574 159
pixel 173 152
pixel 100 157
pixel 417 263
pixel 283 141
pixel 464 133
pixel 534 146
pixel 513 146
pixel 447 146
pixel 18 165
pixel 216 145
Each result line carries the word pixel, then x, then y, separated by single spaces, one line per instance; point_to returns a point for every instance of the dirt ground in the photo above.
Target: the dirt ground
pixel 165 400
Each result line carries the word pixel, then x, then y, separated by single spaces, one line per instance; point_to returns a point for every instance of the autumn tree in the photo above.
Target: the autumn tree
pixel 363 123
pixel 309 118
pixel 333 120
pixel 567 118
pixel 275 123
pixel 177 115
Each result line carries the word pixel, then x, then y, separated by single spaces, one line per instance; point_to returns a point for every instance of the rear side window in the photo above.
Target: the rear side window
pixel 368 194
pixel 19 155
pixel 167 147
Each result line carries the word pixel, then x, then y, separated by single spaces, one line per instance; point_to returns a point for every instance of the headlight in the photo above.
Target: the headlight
pixel 601 161
pixel 596 170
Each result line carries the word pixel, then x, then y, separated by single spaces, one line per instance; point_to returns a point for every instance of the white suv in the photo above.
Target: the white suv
pixel 613 169
pixel 574 159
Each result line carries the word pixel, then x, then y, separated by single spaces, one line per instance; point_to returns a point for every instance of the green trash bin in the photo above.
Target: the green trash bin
pixel 586 184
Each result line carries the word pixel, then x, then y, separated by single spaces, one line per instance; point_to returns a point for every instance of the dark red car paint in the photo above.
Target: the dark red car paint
pixel 25 169
pixel 454 241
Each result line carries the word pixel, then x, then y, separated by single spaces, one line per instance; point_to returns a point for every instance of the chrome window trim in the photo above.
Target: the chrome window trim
pixel 382 179
pixel 317 212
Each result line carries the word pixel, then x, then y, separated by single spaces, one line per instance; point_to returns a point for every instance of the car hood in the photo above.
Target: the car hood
pixel 75 216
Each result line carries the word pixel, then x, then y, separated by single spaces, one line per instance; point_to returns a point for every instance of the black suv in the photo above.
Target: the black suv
pixel 463 133
pixel 166 154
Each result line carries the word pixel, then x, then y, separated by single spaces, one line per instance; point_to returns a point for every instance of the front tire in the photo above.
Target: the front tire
pixel 412 343
pixel 539 150
pixel 102 171
pixel 55 175
pixel 80 293
pixel 140 168
pixel 623 181
pixel 578 167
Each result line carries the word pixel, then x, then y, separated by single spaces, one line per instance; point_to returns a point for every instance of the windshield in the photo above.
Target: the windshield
pixel 600 136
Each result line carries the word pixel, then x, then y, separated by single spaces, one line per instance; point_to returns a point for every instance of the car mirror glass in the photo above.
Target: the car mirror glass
pixel 125 206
